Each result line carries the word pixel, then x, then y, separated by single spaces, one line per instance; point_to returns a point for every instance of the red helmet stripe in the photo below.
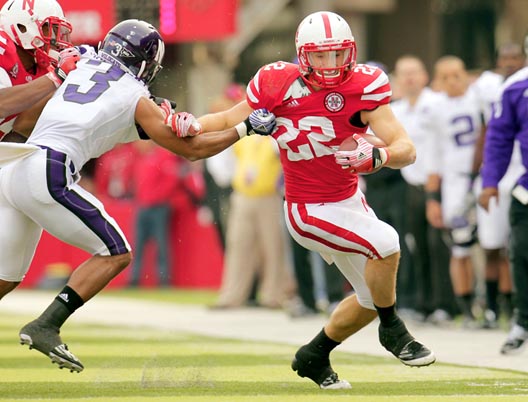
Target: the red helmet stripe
pixel 15 35
pixel 327 27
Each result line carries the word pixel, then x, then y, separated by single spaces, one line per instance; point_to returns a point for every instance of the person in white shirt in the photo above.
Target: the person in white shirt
pixel 454 124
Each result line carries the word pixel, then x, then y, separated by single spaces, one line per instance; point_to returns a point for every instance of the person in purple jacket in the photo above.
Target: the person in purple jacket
pixel 508 124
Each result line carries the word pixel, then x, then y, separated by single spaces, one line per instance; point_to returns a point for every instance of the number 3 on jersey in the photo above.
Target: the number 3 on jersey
pixel 303 142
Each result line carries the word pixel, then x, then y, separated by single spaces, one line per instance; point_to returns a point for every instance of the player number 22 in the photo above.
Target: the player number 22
pixel 320 130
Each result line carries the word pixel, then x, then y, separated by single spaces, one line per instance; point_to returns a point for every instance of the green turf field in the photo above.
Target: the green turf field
pixel 140 364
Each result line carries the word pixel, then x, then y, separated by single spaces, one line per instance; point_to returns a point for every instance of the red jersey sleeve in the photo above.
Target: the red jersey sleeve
pixel 269 85
pixel 376 89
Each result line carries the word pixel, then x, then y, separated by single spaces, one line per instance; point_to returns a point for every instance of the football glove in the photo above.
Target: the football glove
pixel 260 121
pixel 67 62
pixel 182 124
pixel 364 159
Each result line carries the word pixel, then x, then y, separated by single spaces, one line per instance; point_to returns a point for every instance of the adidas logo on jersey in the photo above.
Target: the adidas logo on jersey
pixel 292 103
pixel 64 296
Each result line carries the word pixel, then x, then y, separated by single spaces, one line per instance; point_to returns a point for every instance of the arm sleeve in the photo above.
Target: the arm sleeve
pixel 500 137
pixel 377 92
pixel 269 85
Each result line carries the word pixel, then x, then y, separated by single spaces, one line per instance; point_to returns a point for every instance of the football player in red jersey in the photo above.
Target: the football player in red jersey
pixel 32 35
pixel 317 104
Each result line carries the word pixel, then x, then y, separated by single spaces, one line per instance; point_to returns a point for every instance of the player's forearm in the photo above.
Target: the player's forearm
pixel 209 144
pixel 479 150
pixel 401 153
pixel 15 99
pixel 26 120
pixel 433 183
pixel 214 122
pixel 225 119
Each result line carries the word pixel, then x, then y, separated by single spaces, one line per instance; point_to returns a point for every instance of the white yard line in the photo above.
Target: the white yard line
pixel 467 347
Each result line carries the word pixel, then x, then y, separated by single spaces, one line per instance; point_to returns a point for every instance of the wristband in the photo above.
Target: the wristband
pixel 244 128
pixel 433 195
pixel 54 78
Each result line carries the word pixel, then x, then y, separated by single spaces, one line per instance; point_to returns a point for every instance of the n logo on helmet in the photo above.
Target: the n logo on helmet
pixel 29 5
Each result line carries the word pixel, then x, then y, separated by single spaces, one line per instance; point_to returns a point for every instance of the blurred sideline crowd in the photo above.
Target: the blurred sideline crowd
pixel 454 266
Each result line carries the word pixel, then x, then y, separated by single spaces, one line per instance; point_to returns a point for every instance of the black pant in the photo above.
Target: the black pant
pixel 519 258
pixel 430 256
pixel 387 197
pixel 217 199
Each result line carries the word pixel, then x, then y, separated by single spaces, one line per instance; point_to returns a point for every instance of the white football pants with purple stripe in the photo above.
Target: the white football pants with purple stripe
pixel 40 191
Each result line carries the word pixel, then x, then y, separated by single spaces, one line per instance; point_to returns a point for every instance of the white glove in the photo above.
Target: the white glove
pixel 67 62
pixel 364 159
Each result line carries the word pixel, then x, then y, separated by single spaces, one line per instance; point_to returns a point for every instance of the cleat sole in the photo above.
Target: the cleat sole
pixel 54 357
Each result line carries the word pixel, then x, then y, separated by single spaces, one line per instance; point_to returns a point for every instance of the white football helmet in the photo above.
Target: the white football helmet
pixel 37 25
pixel 326 32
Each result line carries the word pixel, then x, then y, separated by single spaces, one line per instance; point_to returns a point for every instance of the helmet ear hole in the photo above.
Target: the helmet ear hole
pixel 22 28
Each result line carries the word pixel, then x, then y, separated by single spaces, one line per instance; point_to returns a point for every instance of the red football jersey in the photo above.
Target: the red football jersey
pixel 12 65
pixel 311 125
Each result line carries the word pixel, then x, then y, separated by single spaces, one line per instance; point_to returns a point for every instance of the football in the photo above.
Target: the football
pixel 350 144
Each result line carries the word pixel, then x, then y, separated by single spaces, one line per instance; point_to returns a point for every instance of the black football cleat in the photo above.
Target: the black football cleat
pixel 397 340
pixel 46 339
pixel 309 364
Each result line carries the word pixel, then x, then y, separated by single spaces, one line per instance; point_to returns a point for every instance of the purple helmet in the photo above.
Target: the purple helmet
pixel 136 45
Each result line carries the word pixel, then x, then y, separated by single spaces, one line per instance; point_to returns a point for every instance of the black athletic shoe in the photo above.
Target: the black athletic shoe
pixel 400 343
pixel 45 338
pixel 309 364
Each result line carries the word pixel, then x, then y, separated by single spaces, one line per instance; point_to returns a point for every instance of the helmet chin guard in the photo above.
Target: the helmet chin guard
pixel 326 49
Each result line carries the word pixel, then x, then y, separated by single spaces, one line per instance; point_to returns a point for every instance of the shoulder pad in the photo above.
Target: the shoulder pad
pixel 268 86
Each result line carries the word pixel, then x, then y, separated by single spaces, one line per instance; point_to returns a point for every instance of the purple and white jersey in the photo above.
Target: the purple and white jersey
pixel 103 99
pixel 509 122
pixel 454 124
pixel 488 90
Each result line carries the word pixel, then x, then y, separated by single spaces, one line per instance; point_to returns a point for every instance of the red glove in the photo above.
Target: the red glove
pixel 182 124
pixel 67 62
pixel 166 109
pixel 364 159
